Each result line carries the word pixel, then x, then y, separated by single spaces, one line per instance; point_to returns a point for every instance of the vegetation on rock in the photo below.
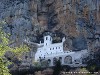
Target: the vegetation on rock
pixel 4 47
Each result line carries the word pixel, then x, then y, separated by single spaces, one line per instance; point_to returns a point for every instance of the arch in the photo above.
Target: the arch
pixel 68 60
pixel 49 61
pixel 54 60
pixel 60 58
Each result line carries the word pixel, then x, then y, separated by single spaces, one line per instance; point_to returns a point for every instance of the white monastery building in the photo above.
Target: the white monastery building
pixel 52 51
pixel 48 48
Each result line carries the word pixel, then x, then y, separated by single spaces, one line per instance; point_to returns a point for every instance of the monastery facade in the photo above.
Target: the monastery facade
pixel 53 51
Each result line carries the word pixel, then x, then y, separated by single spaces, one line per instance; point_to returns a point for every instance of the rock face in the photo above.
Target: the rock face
pixel 79 20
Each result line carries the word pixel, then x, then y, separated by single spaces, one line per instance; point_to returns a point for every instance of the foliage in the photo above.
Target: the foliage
pixel 57 68
pixel 44 63
pixel 19 50
pixel 92 66
pixel 4 47
pixel 37 64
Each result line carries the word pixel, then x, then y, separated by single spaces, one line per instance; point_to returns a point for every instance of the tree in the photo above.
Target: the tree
pixel 57 68
pixel 4 47
pixel 93 65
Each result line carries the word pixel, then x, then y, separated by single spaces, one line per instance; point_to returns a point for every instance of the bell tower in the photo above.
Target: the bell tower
pixel 47 39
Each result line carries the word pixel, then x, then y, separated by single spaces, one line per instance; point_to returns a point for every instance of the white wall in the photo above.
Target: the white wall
pixel 49 48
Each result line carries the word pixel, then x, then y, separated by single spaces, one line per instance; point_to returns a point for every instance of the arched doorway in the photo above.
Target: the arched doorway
pixel 54 60
pixel 60 58
pixel 49 61
pixel 68 60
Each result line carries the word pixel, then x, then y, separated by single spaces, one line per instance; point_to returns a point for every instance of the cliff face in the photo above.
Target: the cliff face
pixel 77 19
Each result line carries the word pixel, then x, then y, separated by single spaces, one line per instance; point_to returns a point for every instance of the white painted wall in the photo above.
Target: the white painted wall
pixel 48 47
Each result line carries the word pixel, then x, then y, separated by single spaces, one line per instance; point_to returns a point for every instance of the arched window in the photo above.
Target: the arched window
pixel 68 60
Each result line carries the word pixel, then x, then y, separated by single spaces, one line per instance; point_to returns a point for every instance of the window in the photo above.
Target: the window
pixel 59 47
pixel 56 47
pixel 46 43
pixel 46 38
pixel 53 48
pixel 50 48
pixel 40 51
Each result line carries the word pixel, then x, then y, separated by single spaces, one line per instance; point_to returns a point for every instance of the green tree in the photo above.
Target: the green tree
pixel 93 65
pixel 4 47
pixel 57 68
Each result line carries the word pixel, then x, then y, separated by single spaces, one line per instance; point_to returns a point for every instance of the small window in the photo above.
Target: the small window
pixel 56 47
pixel 46 43
pixel 40 51
pixel 59 47
pixel 50 48
pixel 46 38
pixel 53 48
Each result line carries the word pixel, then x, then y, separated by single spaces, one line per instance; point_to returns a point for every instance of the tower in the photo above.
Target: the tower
pixel 47 39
